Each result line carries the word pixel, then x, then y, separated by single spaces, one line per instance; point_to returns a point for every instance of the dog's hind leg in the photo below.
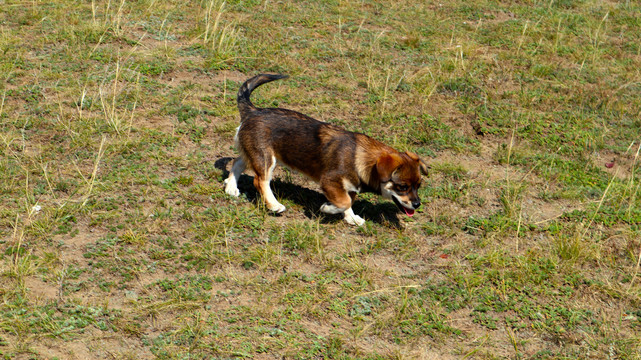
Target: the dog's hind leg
pixel 261 182
pixel 231 183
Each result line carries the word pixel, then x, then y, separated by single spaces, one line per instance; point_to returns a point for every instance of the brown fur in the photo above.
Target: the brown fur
pixel 343 162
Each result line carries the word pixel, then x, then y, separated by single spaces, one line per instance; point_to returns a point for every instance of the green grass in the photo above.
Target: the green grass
pixel 118 241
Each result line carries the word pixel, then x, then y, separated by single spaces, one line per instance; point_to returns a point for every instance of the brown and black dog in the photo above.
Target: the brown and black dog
pixel 342 162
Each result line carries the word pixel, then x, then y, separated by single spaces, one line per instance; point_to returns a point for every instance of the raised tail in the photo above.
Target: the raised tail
pixel 244 104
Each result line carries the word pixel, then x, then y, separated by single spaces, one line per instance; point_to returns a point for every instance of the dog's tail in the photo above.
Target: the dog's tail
pixel 244 104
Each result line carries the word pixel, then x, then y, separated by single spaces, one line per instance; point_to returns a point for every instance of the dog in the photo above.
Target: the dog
pixel 344 163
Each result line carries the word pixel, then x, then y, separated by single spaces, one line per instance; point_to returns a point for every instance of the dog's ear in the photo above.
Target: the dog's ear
pixel 424 167
pixel 422 164
pixel 412 156
pixel 386 165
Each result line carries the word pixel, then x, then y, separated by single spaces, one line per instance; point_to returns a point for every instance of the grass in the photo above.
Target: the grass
pixel 118 241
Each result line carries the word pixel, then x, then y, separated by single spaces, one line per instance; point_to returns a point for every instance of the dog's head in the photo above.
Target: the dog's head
pixel 400 176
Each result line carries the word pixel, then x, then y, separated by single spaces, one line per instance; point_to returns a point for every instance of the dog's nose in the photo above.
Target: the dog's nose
pixel 416 204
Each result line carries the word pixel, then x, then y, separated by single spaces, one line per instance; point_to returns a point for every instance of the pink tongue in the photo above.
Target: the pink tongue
pixel 408 212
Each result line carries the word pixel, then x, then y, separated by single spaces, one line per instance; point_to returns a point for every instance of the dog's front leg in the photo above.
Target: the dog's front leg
pixel 349 216
pixel 340 202
pixel 352 218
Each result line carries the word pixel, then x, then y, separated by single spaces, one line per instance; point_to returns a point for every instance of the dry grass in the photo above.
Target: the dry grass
pixel 117 240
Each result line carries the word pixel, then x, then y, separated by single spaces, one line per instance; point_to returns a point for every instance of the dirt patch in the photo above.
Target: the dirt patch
pixel 615 164
pixel 72 247
pixel 41 291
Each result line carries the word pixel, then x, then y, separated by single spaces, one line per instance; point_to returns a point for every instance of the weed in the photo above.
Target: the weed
pixel 221 39
pixel 117 120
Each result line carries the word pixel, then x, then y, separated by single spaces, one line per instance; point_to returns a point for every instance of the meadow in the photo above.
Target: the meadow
pixel 117 240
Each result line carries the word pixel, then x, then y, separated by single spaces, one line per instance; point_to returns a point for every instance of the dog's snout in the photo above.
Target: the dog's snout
pixel 416 203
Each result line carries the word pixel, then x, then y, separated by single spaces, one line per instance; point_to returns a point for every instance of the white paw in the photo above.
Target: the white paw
pixel 233 192
pixel 355 220
pixel 231 188
pixel 277 208
pixel 329 208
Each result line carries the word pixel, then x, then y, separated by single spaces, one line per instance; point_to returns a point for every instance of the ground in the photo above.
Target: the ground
pixel 118 241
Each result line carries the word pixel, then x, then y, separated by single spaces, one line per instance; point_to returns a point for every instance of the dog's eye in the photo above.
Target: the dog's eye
pixel 402 188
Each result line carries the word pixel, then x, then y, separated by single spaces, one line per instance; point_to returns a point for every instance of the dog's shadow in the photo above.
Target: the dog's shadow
pixel 311 201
